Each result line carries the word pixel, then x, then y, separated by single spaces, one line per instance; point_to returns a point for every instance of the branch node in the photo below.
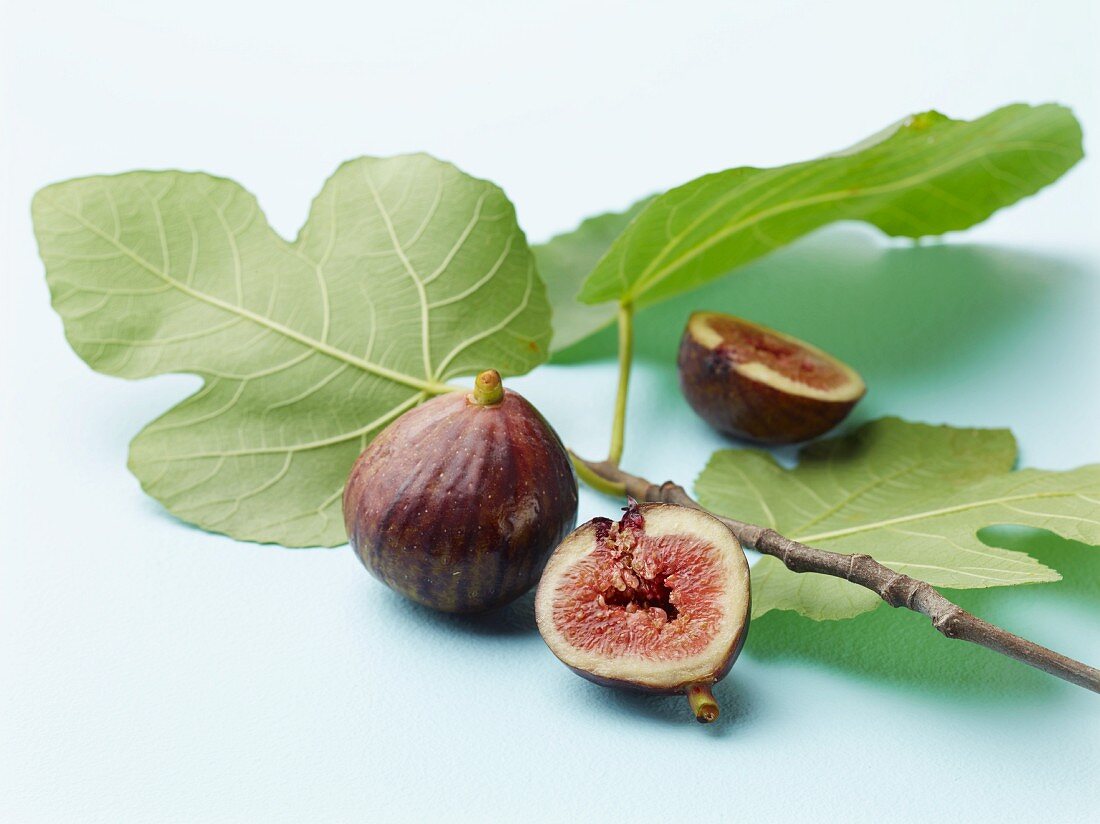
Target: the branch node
pixel 856 559
pixel 948 623
pixel 895 595
pixel 769 537
pixel 788 551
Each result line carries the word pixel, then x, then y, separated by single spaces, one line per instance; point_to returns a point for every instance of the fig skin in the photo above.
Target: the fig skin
pixel 749 408
pixel 674 675
pixel 458 503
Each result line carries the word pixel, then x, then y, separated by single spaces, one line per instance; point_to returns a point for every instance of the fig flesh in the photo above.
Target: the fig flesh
pixel 761 385
pixel 460 501
pixel 658 602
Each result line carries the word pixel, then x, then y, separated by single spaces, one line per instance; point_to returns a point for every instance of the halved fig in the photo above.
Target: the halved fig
pixel 755 383
pixel 658 602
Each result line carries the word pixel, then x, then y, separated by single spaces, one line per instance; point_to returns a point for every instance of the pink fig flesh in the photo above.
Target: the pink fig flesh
pixel 658 601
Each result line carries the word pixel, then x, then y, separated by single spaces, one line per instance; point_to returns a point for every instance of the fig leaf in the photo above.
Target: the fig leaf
pixel 564 262
pixel 407 273
pixel 912 496
pixel 925 175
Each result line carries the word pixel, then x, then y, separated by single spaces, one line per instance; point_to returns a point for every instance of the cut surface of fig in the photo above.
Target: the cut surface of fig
pixel 778 357
pixel 460 501
pixel 760 384
pixel 658 601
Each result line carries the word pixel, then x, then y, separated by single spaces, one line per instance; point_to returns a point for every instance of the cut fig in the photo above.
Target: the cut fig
pixel 758 384
pixel 658 602
pixel 459 502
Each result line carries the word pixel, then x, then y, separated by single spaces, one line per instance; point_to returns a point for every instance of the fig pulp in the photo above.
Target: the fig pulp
pixel 755 383
pixel 460 501
pixel 658 601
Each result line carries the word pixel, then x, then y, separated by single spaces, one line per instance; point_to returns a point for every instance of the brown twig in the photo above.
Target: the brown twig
pixel 894 588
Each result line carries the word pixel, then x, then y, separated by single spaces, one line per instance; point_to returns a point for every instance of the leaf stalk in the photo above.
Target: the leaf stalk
pixel 595 479
pixel 626 360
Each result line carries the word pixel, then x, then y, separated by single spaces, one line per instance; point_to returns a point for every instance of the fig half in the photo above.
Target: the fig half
pixel 758 384
pixel 658 602
pixel 460 501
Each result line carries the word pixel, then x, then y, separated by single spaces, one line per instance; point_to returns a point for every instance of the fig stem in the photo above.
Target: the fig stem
pixel 894 588
pixel 597 482
pixel 703 703
pixel 488 389
pixel 626 359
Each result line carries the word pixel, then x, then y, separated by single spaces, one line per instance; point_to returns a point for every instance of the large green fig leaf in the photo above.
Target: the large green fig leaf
pixel 407 273
pixel 924 176
pixel 912 496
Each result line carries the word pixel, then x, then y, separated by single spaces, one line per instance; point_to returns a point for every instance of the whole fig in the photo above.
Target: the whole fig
pixel 460 501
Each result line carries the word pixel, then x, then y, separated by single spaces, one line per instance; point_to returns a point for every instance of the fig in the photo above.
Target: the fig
pixel 657 602
pixel 761 385
pixel 459 502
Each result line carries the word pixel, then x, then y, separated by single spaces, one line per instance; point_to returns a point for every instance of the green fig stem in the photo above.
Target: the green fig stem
pixel 626 359
pixel 594 480
pixel 488 389
pixel 703 703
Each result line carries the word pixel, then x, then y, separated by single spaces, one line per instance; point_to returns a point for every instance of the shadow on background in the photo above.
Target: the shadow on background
pixel 516 618
pixel 736 702
pixel 895 312
pixel 901 648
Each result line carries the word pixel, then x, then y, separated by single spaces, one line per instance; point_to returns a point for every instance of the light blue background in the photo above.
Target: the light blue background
pixel 152 672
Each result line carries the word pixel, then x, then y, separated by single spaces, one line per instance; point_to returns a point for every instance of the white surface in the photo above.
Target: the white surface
pixel 151 672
